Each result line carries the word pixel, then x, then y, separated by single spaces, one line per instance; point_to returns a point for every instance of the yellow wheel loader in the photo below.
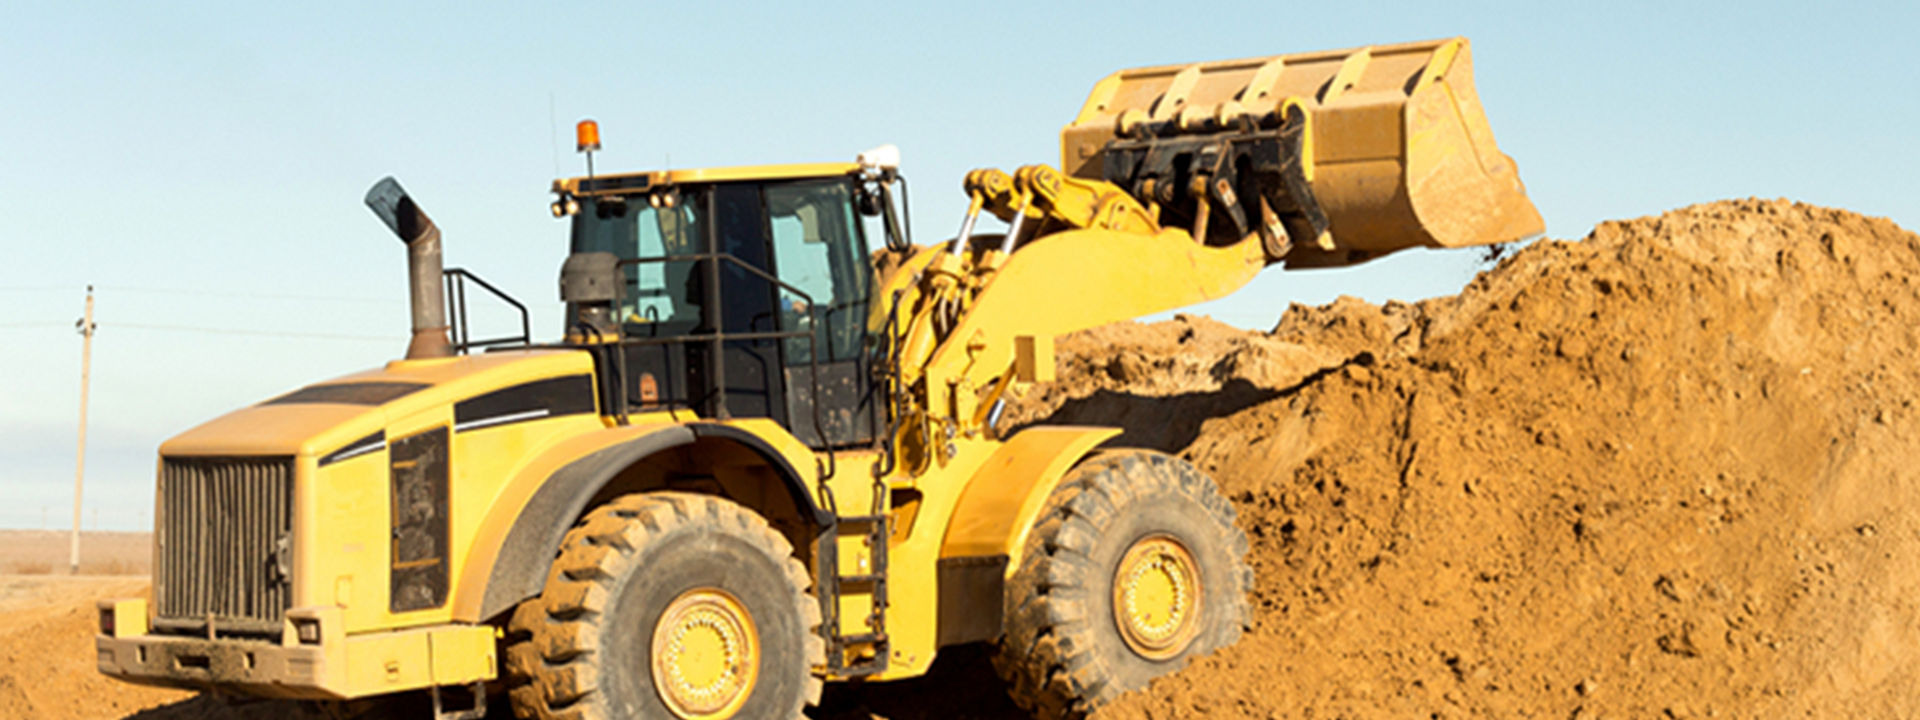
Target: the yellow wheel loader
pixel 766 455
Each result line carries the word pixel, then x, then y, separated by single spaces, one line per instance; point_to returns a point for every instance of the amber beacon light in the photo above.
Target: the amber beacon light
pixel 586 139
pixel 586 136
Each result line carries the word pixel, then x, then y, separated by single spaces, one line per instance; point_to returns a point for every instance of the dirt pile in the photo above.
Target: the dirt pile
pixel 47 669
pixel 1665 469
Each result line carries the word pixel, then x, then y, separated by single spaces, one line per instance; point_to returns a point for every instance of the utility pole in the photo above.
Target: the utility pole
pixel 86 327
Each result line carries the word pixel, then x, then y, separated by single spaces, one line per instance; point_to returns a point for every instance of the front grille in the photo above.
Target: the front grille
pixel 224 538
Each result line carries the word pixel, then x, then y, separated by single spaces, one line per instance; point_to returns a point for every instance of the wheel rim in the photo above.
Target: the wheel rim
pixel 1156 597
pixel 706 654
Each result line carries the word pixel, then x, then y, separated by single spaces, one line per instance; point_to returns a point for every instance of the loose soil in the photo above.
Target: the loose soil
pixel 1663 471
pixel 47 623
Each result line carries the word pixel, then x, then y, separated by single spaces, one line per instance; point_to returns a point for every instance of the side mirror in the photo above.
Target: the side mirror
pixel 873 197
pixel 866 200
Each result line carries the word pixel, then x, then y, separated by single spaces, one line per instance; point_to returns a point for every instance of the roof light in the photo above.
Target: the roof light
pixel 586 136
pixel 885 157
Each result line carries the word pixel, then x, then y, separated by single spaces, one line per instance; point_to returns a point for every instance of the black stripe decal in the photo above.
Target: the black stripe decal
pixel 357 448
pixel 540 399
pixel 359 393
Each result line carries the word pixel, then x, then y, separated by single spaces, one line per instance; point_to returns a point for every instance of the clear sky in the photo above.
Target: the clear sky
pixel 203 165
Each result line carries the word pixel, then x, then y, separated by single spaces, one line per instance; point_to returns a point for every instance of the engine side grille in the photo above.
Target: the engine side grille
pixel 225 531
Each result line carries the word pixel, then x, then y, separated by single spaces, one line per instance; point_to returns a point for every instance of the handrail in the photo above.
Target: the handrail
pixel 719 336
pixel 461 330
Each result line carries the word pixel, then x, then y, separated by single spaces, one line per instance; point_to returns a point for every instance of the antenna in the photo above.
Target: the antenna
pixel 553 132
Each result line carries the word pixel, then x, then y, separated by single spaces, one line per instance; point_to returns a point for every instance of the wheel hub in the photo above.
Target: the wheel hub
pixel 706 654
pixel 1156 597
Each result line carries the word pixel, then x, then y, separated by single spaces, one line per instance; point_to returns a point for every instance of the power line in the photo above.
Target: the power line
pixel 207 293
pixel 256 333
pixel 249 296
pixel 15 326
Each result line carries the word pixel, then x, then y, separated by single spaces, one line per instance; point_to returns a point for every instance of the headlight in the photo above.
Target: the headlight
pixel 307 630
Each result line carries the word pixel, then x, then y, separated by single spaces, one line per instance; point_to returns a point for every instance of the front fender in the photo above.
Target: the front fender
pixel 1007 493
pixel 523 529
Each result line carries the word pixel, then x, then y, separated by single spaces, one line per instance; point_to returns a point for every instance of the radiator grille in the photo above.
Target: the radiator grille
pixel 224 543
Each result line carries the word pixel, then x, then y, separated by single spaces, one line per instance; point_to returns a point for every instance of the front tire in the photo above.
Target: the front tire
pixel 1133 567
pixel 668 605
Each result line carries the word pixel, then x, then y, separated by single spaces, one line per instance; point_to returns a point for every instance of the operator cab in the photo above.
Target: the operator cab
pixel 746 291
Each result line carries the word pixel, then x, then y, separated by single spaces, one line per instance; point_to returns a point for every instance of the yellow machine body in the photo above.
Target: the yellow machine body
pixel 1389 143
pixel 344 511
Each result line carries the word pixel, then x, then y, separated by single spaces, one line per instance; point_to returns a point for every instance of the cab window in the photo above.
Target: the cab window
pixel 659 294
pixel 820 251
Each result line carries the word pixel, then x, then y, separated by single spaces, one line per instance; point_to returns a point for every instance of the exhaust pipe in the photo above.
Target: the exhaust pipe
pixel 389 201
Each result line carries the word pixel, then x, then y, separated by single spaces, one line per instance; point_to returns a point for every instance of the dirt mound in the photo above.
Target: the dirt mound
pixel 47 669
pixel 1664 469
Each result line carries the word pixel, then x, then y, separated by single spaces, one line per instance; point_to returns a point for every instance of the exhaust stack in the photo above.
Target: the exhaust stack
pixel 389 201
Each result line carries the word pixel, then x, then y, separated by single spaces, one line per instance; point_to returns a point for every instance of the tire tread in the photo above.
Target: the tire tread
pixel 552 658
pixel 1047 655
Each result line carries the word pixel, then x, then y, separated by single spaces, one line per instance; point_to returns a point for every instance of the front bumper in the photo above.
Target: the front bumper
pixel 324 664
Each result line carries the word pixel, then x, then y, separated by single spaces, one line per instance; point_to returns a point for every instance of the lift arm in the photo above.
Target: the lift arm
pixel 1181 183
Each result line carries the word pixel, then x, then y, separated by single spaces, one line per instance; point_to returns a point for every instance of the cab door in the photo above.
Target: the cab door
pixel 820 255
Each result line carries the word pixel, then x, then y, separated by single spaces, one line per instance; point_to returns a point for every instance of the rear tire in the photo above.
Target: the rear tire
pixel 668 605
pixel 1136 530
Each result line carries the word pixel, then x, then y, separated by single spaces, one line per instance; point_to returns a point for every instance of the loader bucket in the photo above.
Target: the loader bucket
pixel 1394 152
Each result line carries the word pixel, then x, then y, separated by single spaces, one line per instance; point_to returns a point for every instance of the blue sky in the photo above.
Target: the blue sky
pixel 203 164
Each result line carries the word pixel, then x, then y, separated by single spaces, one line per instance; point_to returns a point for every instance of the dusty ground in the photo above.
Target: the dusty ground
pixel 47 623
pixel 1664 471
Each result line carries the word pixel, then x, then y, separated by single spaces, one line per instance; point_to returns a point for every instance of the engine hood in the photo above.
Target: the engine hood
pixel 331 416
